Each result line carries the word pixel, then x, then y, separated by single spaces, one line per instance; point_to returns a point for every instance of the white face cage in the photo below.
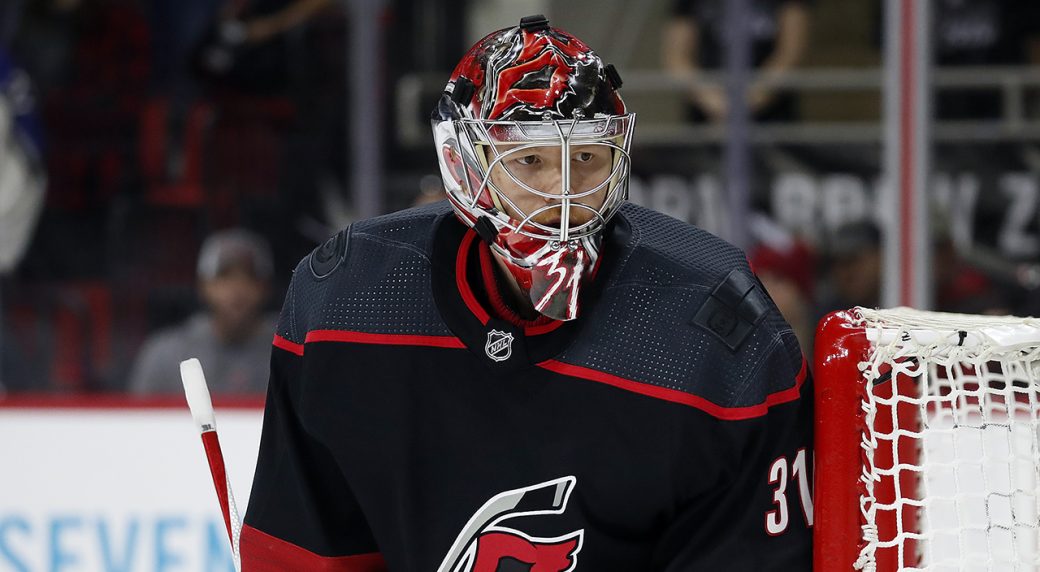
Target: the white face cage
pixel 480 144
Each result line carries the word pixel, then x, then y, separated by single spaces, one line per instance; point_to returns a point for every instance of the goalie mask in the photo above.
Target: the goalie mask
pixel 533 139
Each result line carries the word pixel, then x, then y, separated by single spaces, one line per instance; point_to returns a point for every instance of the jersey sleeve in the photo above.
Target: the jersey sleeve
pixel 302 513
pixel 758 515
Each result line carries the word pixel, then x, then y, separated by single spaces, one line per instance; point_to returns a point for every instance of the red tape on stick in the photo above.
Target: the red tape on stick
pixel 216 468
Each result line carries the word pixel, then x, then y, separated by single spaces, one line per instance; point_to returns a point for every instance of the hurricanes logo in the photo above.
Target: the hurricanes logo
pixel 485 543
pixel 537 75
pixel 499 345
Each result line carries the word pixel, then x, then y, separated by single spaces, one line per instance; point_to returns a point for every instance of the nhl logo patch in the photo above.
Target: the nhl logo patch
pixel 499 345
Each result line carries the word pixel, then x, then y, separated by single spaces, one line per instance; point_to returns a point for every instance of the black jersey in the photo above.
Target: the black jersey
pixel 667 428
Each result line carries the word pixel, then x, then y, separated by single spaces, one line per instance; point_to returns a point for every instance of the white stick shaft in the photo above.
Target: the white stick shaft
pixel 197 393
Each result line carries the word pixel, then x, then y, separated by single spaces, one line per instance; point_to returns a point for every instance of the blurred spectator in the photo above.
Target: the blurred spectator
pixel 178 26
pixel 92 81
pixel 1030 305
pixel 787 268
pixel 22 188
pixel 44 39
pixel 275 71
pixel 787 276
pixel 22 176
pixel 232 338
pixel 431 190
pixel 245 48
pixel 978 33
pixel 961 288
pixel 9 12
pixel 695 40
pixel 853 275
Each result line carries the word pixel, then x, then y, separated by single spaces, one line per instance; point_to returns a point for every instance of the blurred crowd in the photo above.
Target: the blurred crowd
pixel 160 123
pixel 165 163
pixel 809 277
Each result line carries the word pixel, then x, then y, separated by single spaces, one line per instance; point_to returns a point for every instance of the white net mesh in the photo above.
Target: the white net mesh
pixel 950 446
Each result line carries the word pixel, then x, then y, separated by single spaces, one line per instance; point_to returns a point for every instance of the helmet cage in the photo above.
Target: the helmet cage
pixel 521 89
pixel 479 143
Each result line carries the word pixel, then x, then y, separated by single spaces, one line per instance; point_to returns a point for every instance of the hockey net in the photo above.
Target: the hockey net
pixel 927 448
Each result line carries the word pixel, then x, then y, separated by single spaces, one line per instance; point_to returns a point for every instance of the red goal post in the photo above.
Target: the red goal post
pixel 927 450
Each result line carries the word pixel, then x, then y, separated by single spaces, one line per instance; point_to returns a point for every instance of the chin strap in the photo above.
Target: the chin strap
pixel 486 230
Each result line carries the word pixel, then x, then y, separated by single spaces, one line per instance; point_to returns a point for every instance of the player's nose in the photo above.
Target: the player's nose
pixel 551 188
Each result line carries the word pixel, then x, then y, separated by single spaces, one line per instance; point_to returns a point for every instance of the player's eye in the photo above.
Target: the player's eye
pixel 584 157
pixel 528 160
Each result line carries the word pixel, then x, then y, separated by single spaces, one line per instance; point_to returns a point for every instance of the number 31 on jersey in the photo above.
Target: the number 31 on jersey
pixel 777 518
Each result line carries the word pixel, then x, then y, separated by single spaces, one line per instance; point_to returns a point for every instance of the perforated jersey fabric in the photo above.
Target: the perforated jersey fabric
pixel 391 296
pixel 641 328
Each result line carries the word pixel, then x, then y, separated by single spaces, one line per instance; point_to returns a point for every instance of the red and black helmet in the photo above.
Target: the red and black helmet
pixel 518 89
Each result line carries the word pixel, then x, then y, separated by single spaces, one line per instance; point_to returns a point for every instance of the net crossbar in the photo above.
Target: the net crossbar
pixel 949 441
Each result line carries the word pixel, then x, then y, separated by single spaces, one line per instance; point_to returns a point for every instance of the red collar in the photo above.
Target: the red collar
pixel 494 287
pixel 542 325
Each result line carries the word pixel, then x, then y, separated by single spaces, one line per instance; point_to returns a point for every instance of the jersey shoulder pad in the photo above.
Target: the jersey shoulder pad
pixel 371 277
pixel 670 251
pixel 683 312
pixel 734 308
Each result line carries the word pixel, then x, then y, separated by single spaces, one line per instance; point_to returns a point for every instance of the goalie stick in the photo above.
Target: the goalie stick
pixel 201 406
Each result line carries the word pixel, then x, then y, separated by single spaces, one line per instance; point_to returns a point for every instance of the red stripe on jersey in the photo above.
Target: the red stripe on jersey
pixel 460 279
pixel 262 552
pixel 682 397
pixel 384 339
pixel 291 347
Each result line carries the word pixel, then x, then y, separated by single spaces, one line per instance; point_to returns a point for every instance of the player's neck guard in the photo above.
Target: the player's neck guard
pixel 552 275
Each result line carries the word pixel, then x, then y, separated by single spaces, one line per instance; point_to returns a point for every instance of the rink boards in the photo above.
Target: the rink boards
pixel 109 485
